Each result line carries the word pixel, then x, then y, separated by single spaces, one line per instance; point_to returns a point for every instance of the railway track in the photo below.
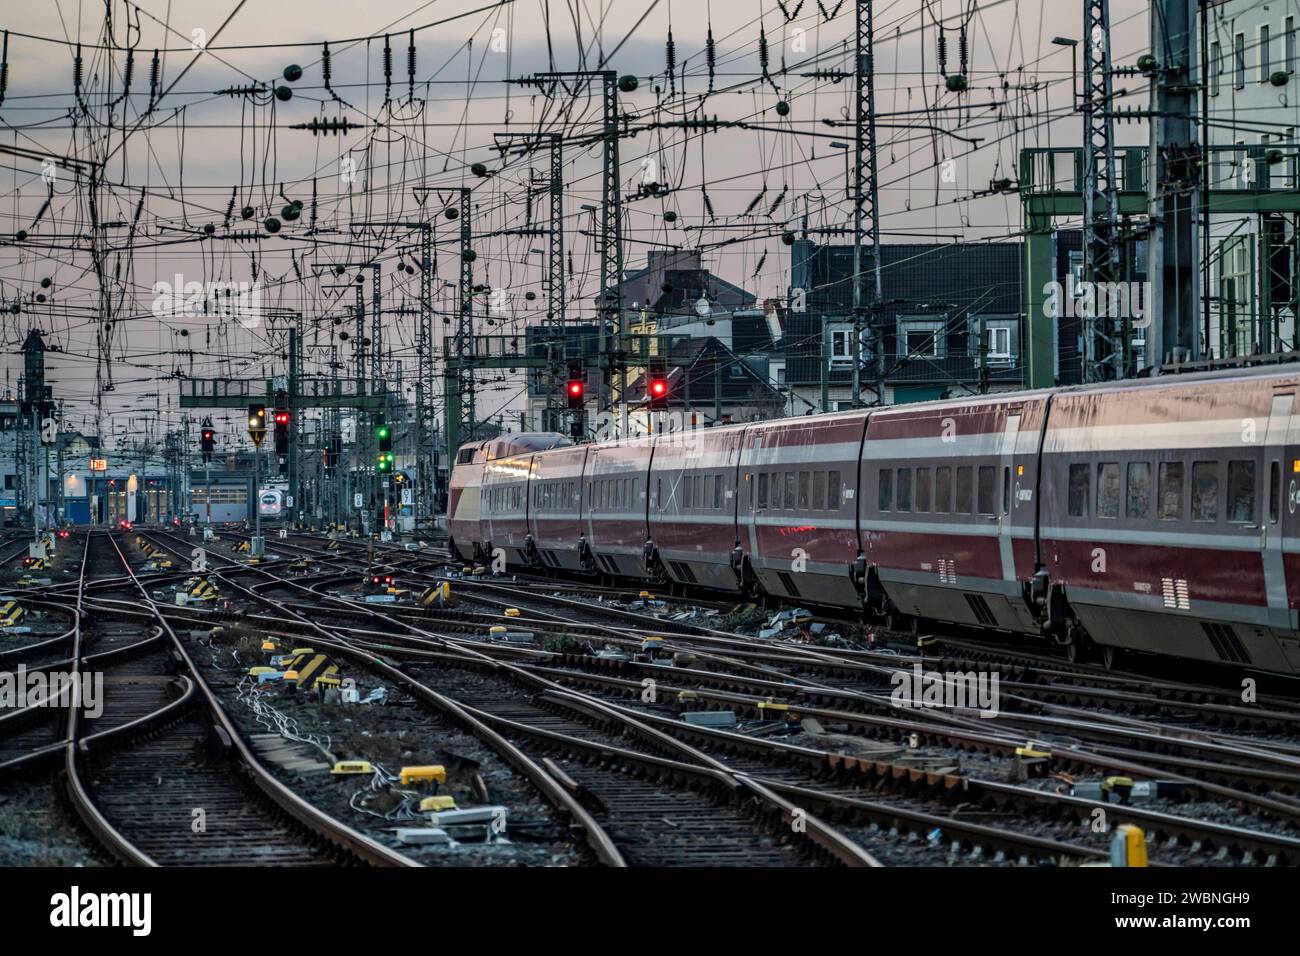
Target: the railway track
pixel 161 776
pixel 580 718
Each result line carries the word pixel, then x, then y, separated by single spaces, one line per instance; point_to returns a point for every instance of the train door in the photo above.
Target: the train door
pixel 752 506
pixel 1282 494
pixel 1005 508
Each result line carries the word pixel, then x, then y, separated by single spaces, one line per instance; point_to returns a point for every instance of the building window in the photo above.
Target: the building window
pixel 1288 44
pixel 841 341
pixel 1239 61
pixel 1000 342
pixel 1263 54
pixel 1216 67
pixel 921 341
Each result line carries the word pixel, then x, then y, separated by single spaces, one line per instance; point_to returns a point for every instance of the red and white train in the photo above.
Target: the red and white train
pixel 1154 514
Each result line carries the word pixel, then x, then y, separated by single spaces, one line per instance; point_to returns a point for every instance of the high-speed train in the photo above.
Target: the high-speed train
pixel 1154 514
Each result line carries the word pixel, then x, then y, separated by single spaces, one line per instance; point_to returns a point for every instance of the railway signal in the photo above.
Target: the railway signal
pixel 257 424
pixel 384 436
pixel 575 391
pixel 207 440
pixel 658 392
pixel 384 463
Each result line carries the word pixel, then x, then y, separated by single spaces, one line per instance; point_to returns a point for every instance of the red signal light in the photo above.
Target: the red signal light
pixel 659 388
pixel 575 389
pixel 281 418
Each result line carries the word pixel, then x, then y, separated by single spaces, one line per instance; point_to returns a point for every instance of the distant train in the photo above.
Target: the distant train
pixel 270 503
pixel 1154 514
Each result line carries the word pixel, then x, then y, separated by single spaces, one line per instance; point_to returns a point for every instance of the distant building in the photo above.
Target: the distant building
pixel 936 299
pixel 1253 95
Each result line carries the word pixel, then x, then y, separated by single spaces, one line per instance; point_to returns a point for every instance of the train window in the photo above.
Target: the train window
pixel 923 489
pixel 833 492
pixel 803 490
pixel 885 489
pixel 776 490
pixel 1205 491
pixel 1241 491
pixel 762 490
pixel 1274 491
pixel 1171 491
pixel 965 496
pixel 789 491
pixel 905 489
pixel 1108 489
pixel 686 492
pixel 1080 490
pixel 717 491
pixel 942 490
pixel 819 491
pixel 1138 502
pixel 1006 490
pixel 988 478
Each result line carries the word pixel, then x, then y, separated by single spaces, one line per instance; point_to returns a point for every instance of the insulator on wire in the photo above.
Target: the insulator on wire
pixel 4 67
pixel 708 206
pixel 671 56
pixel 779 199
pixel 943 53
pixel 962 51
pixel 128 72
pixel 410 65
pixel 230 209
pixel 76 71
pixel 710 56
pixel 388 69
pixel 155 69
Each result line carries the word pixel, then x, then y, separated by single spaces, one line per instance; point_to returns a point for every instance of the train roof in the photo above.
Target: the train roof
pixel 1288 371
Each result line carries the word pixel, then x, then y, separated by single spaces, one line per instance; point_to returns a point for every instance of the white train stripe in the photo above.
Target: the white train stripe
pixel 1159 436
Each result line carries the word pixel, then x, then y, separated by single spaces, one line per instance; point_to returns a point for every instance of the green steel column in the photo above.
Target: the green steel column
pixel 1039 275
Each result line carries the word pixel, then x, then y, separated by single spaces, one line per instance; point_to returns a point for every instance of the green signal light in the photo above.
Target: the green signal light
pixel 381 431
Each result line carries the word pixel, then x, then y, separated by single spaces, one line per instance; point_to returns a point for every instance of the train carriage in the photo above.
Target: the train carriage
pixel 948 514
pixel 1169 518
pixel 505 502
pixel 614 506
pixel 464 500
pixel 1155 515
pixel 798 528
pixel 693 485
pixel 555 510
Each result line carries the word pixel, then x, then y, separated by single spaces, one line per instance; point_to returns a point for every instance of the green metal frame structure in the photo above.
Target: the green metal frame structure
pixel 1265 180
